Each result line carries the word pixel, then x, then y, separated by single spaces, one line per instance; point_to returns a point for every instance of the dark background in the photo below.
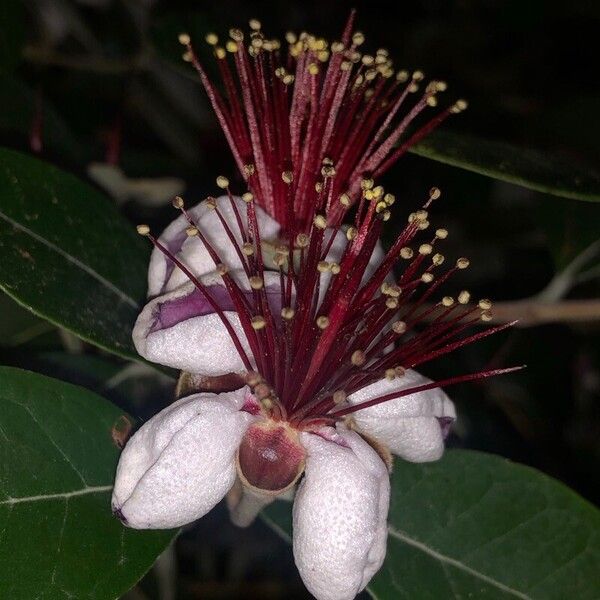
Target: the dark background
pixel 98 75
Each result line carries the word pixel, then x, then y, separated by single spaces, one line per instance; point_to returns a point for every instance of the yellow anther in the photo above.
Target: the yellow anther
pixel 380 207
pixel 464 297
pixel 418 76
pixel 399 327
pixel 462 263
pixel 258 322
pixel 390 374
pixel 391 303
pixel 256 282
pixel 322 322
pixel 231 46
pixel 437 259
pixel 287 312
pixel 339 396
pixel 287 177
pixel 486 316
pixel 184 39
pixel 427 277
pixel 236 34
pixel 222 269
pixel 248 249
pixel 318 187
pixel 178 202
pixel 143 229
pixel 212 39
pixel 485 304
pixel 367 184
pixel 425 249
pixel 447 301
pixel 302 240
pixel 191 231
pixel 358 358
pixel 367 60
pixel 441 234
pixel 323 266
pixel 313 69
pixel 351 233
pixel 334 268
pixel 222 182
pixel 358 38
pixel 320 222
pixel 406 252
pixel 249 169
pixel 210 203
pixel 402 76
pixel 431 101
pixel 389 199
pixel 345 200
pixel 220 53
pixel 247 197
pixel 255 24
pixel 291 37
pixel 434 193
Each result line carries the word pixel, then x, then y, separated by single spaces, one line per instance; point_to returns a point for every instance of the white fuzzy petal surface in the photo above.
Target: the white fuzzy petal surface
pixel 340 513
pixel 180 463
pixel 409 425
pixel 192 252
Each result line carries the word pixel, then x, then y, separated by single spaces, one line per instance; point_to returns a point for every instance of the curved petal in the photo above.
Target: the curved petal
pixel 340 513
pixel 414 426
pixel 181 462
pixel 180 329
pixel 163 277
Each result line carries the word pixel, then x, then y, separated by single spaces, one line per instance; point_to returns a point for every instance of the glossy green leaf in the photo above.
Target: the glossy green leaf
pixel 59 539
pixel 477 526
pixel 506 162
pixel 68 255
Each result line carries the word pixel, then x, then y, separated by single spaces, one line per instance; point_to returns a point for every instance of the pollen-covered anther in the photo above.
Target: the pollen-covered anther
pixel 441 234
pixel 231 46
pixel 427 277
pixel 249 169
pixel 437 259
pixel 486 316
pixel 399 327
pixel 287 177
pixel 212 39
pixel 255 24
pixel 191 231
pixel 302 240
pixel 184 39
pixel 485 304
pixel 464 297
pixel 390 289
pixel 258 322
pixel 462 263
pixel 351 233
pixel 222 269
pixel 447 301
pixel 236 34
pixel 459 106
pixel 320 222
pixel 358 358
pixel 339 396
pixel 253 379
pixel 434 193
pixel 178 202
pixel 143 229
pixel 211 203
pixel 390 374
pixel 391 303
pixel 334 268
pixel 248 249
pixel 313 69
pixel 322 322
pixel 247 197
pixel 222 182
pixel 425 249
pixel 319 187
pixel 367 184
pixel 256 282
pixel 187 56
pixel 323 266
pixel 406 253
pixel 358 38
pixel 389 199
pixel 328 171
pixel 287 312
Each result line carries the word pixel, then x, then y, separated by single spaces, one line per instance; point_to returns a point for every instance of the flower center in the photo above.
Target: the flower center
pixel 270 457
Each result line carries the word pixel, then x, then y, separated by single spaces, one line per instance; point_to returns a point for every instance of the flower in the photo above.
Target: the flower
pixel 317 329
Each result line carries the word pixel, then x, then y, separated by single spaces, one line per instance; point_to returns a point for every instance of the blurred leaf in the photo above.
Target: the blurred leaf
pixel 68 255
pixel 527 168
pixel 12 33
pixel 18 109
pixel 60 539
pixel 474 525
pixel 19 326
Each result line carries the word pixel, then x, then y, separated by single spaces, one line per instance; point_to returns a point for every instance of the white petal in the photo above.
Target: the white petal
pixel 410 426
pixel 340 513
pixel 181 462
pixel 181 330
pixel 163 277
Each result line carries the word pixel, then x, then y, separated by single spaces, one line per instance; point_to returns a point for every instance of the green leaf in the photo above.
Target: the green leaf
pixel 68 255
pixel 477 526
pixel 59 538
pixel 527 168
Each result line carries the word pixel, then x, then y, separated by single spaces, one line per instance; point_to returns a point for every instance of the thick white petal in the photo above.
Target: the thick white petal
pixel 181 462
pixel 409 426
pixel 198 341
pixel 340 514
pixel 162 277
